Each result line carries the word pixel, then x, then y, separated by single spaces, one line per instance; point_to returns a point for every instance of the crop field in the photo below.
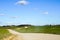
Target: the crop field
pixel 4 33
pixel 39 29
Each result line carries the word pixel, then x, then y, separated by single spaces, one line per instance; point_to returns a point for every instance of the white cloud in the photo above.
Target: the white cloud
pixel 12 23
pixel 22 2
pixel 9 23
pixel 14 17
pixel 2 14
pixel 45 12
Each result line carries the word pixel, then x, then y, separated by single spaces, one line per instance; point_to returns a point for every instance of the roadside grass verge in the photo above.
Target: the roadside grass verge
pixel 4 33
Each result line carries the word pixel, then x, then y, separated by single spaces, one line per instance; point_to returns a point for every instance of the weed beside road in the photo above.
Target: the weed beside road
pixel 4 33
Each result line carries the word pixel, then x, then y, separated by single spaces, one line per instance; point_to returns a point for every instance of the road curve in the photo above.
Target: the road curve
pixel 34 36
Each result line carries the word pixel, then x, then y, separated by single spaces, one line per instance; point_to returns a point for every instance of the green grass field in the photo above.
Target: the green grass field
pixel 39 29
pixel 4 33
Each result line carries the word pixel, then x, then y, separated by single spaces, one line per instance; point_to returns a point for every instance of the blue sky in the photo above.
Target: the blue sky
pixel 35 12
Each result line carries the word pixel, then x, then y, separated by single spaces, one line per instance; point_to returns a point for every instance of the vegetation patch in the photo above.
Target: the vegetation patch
pixel 4 33
pixel 51 29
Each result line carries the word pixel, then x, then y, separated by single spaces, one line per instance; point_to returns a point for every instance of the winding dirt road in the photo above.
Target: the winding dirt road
pixel 33 36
